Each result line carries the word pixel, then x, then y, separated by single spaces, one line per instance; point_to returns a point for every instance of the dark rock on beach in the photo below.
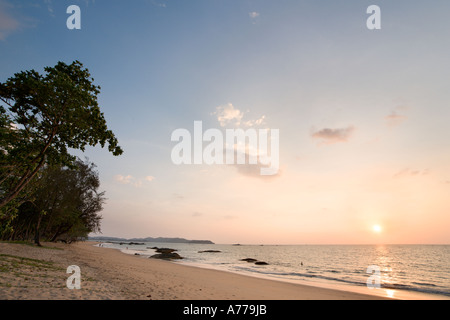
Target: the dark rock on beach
pixel 165 250
pixel 259 263
pixel 166 253
pixel 167 256
pixel 131 243
pixel 209 251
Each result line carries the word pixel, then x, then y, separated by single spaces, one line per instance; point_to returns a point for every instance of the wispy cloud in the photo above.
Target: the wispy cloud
pixel 248 169
pixel 130 180
pixel 331 136
pixel 253 16
pixel 251 123
pixel 229 115
pixel 49 5
pixel 158 4
pixel 396 117
pixel 8 24
pixel 411 173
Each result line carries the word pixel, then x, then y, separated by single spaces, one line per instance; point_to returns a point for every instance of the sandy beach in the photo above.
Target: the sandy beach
pixel 30 273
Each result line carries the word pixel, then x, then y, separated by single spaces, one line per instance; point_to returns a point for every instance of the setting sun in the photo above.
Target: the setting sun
pixel 377 228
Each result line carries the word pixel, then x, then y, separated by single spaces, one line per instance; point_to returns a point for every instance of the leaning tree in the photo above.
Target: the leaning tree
pixel 43 116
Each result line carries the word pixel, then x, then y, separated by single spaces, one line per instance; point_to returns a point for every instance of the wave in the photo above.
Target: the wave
pixel 421 287
pixel 398 286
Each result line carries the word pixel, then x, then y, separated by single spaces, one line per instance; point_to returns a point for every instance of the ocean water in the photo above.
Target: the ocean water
pixel 404 271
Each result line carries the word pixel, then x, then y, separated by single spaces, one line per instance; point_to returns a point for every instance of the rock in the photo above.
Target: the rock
pixel 261 263
pixel 131 243
pixel 165 250
pixel 209 251
pixel 167 256
pixel 249 260
pixel 137 254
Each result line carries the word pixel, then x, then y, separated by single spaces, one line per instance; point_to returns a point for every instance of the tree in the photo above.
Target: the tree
pixel 65 205
pixel 46 115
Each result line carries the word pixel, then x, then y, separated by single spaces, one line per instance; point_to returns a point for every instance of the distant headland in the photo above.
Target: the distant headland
pixel 150 239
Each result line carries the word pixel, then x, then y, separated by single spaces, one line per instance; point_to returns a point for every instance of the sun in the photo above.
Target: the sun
pixel 377 228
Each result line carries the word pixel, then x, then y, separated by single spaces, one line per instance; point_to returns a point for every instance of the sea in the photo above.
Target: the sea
pixel 394 271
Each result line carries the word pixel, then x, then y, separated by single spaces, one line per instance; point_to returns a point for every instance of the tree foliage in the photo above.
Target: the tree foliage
pixel 65 205
pixel 44 116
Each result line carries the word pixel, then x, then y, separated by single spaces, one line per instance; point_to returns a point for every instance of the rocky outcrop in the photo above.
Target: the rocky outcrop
pixel 167 256
pixel 165 250
pixel 259 263
pixel 131 243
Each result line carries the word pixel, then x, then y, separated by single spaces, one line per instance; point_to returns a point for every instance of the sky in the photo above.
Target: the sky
pixel 363 115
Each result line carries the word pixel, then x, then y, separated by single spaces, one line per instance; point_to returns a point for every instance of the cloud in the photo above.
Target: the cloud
pixel 130 180
pixel 8 24
pixel 49 7
pixel 229 217
pixel 331 136
pixel 251 123
pixel 411 173
pixel 394 119
pixel 253 16
pixel 177 196
pixel 158 4
pixel 248 169
pixel 123 179
pixel 254 171
pixel 397 116
pixel 229 115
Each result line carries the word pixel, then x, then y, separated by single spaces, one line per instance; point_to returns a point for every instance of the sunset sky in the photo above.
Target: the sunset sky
pixel 363 115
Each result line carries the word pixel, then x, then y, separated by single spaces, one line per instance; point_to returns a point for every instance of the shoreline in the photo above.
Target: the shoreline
pixel 390 293
pixel 109 274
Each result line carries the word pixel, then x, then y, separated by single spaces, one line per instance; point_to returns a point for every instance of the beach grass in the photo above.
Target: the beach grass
pixel 32 244
pixel 28 272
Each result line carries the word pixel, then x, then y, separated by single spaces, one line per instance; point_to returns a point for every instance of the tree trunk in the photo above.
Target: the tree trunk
pixel 26 178
pixel 36 235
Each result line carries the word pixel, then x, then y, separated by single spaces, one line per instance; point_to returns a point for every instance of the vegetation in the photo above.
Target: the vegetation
pixel 16 269
pixel 45 192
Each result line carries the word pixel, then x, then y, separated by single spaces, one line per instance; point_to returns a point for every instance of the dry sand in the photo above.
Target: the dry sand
pixel 110 274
